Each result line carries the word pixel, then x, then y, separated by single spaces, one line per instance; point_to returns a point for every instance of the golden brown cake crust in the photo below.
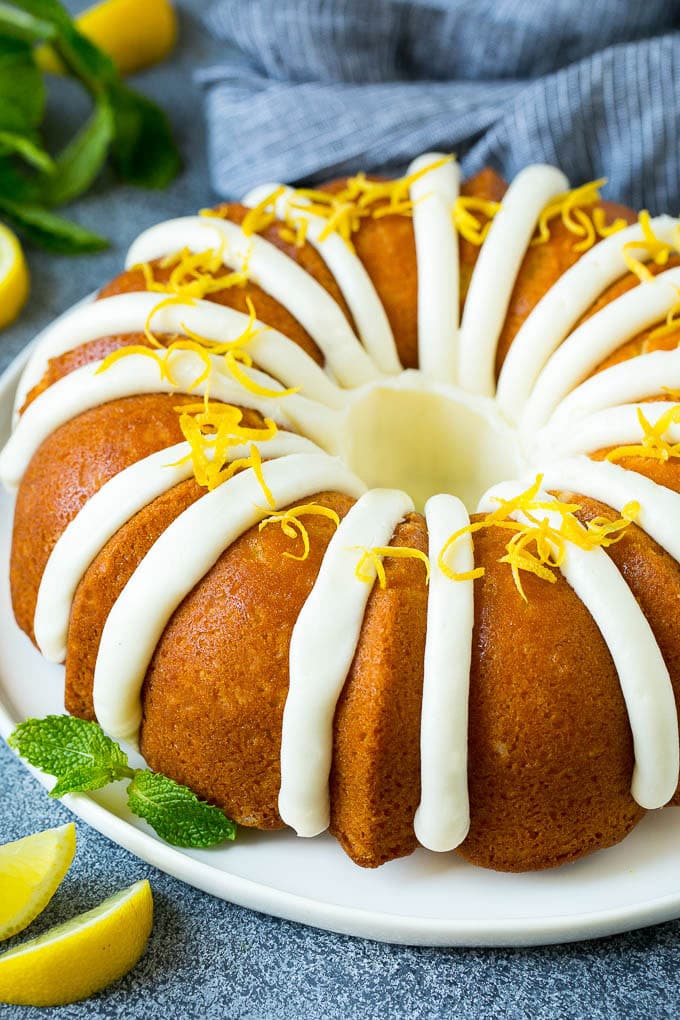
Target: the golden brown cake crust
pixel 550 749
pixel 214 722
pixel 375 779
pixel 69 467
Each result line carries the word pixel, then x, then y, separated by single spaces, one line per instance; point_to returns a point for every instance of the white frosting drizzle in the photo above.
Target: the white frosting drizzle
pixel 106 512
pixel 349 273
pixel 276 273
pixel 644 679
pixel 597 338
pixel 178 560
pixel 642 376
pixel 496 270
pixel 614 485
pixel 613 426
pixel 128 313
pixel 331 618
pixel 136 374
pixel 562 306
pixel 443 816
pixel 433 196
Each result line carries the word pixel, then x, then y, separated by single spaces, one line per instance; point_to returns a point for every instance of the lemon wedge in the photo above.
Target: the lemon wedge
pixel 135 35
pixel 82 956
pixel 31 871
pixel 13 277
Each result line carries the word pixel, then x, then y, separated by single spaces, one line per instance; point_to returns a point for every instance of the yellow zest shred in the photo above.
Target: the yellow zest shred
pixel 234 355
pixel 467 224
pixel 343 210
pixel 376 555
pixel 292 526
pixel 657 250
pixel 193 273
pixel 569 207
pixel 654 444
pixel 671 324
pixel 163 359
pixel 536 546
pixel 261 215
pixel 211 429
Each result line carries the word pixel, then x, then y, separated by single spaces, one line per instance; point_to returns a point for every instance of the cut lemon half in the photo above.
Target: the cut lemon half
pixel 31 871
pixel 135 35
pixel 13 276
pixel 82 956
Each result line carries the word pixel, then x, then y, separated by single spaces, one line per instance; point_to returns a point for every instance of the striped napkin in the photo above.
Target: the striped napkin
pixel 310 89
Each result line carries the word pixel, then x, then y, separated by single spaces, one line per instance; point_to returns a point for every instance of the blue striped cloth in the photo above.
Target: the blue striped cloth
pixel 310 89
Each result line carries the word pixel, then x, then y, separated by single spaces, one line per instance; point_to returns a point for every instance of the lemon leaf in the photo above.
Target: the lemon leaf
pixel 79 163
pixel 64 746
pixel 142 151
pixel 177 815
pixel 52 232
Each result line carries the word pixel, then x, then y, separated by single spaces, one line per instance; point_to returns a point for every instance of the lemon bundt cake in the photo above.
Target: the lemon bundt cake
pixel 359 508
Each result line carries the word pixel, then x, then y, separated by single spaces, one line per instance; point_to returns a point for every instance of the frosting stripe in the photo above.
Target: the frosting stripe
pixel 433 196
pixel 562 306
pixel 331 618
pixel 496 270
pixel 597 338
pixel 178 560
pixel 615 486
pixel 643 376
pixel 276 273
pixel 613 426
pixel 645 682
pixel 136 374
pixel 443 816
pixel 105 513
pixel 128 313
pixel 349 273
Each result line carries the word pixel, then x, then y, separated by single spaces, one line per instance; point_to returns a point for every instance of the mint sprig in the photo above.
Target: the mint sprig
pixel 82 758
pixel 125 128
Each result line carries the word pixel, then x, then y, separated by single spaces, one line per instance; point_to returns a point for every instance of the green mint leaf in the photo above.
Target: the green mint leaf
pixel 62 745
pixel 22 91
pixel 79 163
pixel 177 815
pixel 143 151
pixel 81 56
pixel 24 146
pixel 84 778
pixel 48 230
pixel 24 25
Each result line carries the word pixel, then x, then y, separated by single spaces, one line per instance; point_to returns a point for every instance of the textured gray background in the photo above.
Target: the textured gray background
pixel 207 958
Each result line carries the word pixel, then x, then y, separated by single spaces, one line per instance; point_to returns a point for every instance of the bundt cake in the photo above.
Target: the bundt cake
pixel 359 508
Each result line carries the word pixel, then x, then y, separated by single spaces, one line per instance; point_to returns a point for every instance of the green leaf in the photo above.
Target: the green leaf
pixel 62 745
pixel 177 815
pixel 24 25
pixel 84 778
pixel 143 151
pixel 22 90
pixel 25 147
pixel 79 163
pixel 81 56
pixel 49 231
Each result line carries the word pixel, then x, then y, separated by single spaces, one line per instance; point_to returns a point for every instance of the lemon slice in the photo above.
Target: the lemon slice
pixel 82 956
pixel 13 277
pixel 31 870
pixel 133 34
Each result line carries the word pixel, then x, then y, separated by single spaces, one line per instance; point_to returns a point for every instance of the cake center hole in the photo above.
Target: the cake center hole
pixel 429 440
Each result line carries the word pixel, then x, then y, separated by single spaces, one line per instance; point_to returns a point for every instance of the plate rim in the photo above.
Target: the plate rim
pixel 393 928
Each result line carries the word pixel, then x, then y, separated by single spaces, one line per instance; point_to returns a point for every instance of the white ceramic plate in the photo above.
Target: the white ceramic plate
pixel 427 899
